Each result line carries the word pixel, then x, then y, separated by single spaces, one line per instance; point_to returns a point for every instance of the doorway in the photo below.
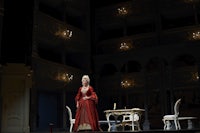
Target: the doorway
pixel 49 110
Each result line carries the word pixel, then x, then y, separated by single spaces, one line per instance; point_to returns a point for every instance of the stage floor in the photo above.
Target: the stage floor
pixel 142 131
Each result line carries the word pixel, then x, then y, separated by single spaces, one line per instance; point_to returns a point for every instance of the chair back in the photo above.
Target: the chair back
pixel 69 112
pixel 176 107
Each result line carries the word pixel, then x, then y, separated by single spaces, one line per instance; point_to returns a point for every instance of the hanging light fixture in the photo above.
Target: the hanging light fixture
pixel 125 46
pixel 195 76
pixel 196 35
pixel 122 11
pixel 64 34
pixel 127 83
pixel 64 77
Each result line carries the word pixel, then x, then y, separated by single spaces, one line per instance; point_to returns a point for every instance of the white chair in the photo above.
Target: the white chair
pixel 72 121
pixel 131 120
pixel 174 118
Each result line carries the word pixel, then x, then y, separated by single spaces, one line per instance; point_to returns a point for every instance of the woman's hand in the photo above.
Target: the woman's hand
pixel 86 97
pixel 77 105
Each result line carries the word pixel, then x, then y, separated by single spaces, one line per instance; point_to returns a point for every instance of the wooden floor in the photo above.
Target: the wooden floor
pixel 195 129
pixel 149 131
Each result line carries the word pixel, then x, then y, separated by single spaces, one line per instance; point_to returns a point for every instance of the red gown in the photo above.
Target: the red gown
pixel 86 117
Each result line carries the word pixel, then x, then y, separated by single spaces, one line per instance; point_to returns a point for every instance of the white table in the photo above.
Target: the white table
pixel 112 123
pixel 121 112
pixel 189 121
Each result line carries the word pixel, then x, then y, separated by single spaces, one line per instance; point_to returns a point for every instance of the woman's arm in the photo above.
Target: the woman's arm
pixel 93 95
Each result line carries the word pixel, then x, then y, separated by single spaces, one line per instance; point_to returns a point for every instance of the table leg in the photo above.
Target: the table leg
pixel 190 124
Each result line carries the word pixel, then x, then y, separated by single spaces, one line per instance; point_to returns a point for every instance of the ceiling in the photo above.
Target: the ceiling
pixel 101 3
pixel 94 3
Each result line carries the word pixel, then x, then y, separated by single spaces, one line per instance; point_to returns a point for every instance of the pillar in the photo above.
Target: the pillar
pixel 146 124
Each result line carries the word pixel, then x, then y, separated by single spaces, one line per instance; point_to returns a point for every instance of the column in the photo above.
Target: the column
pixel 87 23
pixel 1 97
pixel 158 21
pixel 198 93
pixel 1 26
pixel 64 110
pixel 1 22
pixel 33 108
pixel 170 68
pixel 28 86
pixel 34 100
pixel 195 11
pixel 35 26
pixel 146 124
pixel 162 86
pixel 15 98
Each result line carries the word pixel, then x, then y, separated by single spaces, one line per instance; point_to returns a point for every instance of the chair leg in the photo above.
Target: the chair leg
pixel 176 124
pixel 138 125
pixel 164 125
pixel 179 126
pixel 133 126
pixel 123 127
pixel 71 126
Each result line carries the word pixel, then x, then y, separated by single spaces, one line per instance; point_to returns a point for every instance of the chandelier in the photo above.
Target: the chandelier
pixel 196 35
pixel 64 34
pixel 122 11
pixel 195 76
pixel 127 83
pixel 64 77
pixel 124 46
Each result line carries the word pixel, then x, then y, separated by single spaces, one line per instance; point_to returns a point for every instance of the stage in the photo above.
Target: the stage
pixel 104 129
pixel 127 131
pixel 149 131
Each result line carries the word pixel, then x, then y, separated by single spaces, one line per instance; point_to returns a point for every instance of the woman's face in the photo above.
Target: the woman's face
pixel 84 82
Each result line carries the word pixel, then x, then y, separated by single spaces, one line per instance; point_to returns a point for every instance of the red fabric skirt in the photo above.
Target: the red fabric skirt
pixel 86 116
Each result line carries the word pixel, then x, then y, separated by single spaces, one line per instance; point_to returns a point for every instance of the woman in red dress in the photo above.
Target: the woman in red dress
pixel 86 117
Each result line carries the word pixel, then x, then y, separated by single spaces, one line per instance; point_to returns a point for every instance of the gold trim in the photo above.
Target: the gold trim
pixel 84 126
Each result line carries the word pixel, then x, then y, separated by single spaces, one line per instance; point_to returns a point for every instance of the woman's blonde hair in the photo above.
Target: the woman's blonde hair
pixel 86 77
